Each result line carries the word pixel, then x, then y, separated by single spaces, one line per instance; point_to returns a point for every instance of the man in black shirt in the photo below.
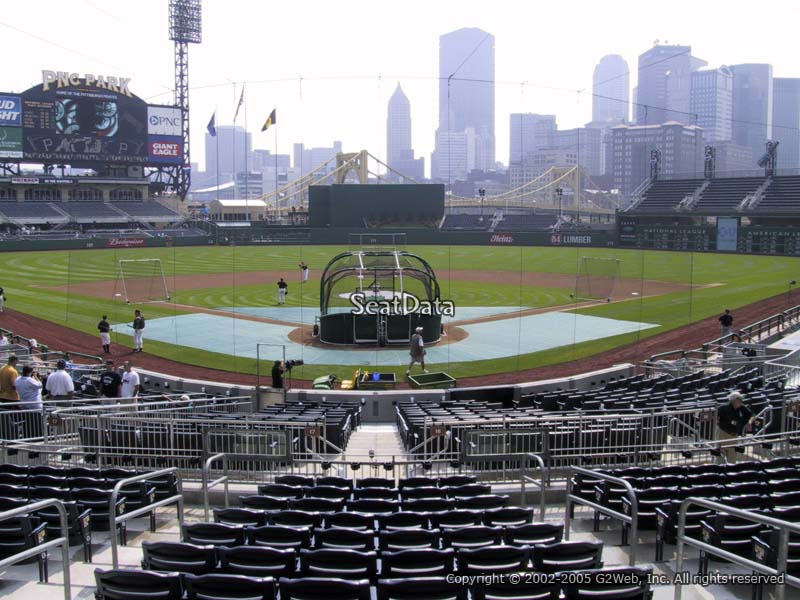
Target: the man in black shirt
pixel 110 381
pixel 726 322
pixel 138 331
pixel 283 289
pixel 733 419
pixel 277 374
pixel 104 327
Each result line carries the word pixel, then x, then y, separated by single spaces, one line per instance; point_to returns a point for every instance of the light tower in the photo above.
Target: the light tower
pixel 185 27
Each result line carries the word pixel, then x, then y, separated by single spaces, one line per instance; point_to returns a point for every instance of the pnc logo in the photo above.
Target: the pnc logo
pixel 158 120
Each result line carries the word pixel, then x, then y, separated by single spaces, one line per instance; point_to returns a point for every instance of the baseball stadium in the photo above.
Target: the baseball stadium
pixel 360 385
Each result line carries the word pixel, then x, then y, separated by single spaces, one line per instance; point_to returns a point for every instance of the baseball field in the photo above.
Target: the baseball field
pixel 514 304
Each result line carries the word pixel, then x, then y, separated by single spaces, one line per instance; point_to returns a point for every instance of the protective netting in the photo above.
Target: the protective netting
pixel 141 280
pixel 597 278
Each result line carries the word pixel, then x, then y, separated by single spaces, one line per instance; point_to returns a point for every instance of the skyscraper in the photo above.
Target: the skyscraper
pixel 712 102
pixel 530 132
pixel 398 126
pixel 752 106
pixel 399 153
pixel 786 120
pixel 611 89
pixel 466 91
pixel 665 80
pixel 234 151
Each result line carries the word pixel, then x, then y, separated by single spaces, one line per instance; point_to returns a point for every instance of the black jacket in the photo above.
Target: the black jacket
pixel 733 421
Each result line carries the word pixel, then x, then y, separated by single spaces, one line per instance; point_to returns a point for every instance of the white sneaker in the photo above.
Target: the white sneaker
pixel 408 373
pixel 424 370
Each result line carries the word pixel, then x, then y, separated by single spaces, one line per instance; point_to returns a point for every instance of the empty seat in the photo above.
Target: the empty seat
pixel 618 583
pixel 264 502
pixel 240 516
pixel 316 504
pixel 18 534
pixel 468 491
pixel 376 493
pixel 279 490
pixel 417 563
pixel 531 534
pixel 215 534
pixel 524 588
pixel 403 520
pixel 492 559
pixel 257 561
pixel 279 536
pixel 79 526
pixel 296 518
pixel 410 482
pixel 418 588
pixel 124 584
pixel 177 556
pixel 374 482
pixel 567 556
pixel 327 491
pixel 728 533
pixel 323 588
pixel 472 537
pixel 228 587
pixel 373 507
pixel 348 539
pixel 295 480
pixel 335 482
pixel 429 504
pixel 344 564
pixel 408 539
pixel 484 502
pixel 508 516
pixel 349 520
pixel 422 492
pixel 454 480
pixel 456 518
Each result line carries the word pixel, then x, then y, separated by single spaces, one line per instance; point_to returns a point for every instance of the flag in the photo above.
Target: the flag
pixel 270 120
pixel 212 127
pixel 238 106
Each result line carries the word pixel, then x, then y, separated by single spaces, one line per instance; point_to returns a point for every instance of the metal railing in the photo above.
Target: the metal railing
pixel 631 520
pixel 541 483
pixel 62 540
pixel 209 485
pixel 112 503
pixel 784 528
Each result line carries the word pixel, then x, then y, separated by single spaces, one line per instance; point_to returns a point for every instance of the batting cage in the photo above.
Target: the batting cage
pixel 378 297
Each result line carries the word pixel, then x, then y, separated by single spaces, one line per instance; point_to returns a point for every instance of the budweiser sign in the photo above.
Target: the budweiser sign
pixel 126 242
pixel 501 238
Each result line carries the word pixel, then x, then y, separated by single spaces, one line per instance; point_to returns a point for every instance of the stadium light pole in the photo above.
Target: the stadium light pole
pixel 560 194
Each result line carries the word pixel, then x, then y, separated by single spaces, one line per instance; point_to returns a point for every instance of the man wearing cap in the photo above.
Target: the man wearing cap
pixel 104 327
pixel 417 351
pixel 110 383
pixel 8 381
pixel 29 389
pixel 733 419
pixel 59 384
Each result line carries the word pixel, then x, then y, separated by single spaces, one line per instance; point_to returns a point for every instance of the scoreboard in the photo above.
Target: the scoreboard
pixel 758 240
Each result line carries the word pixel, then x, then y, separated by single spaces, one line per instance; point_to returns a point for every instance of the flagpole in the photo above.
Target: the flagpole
pixel 216 149
pixel 276 172
pixel 246 167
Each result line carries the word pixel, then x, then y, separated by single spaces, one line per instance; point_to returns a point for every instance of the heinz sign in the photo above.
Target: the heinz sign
pixel 501 238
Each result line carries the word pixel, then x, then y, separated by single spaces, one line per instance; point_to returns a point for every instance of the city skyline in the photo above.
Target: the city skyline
pixel 321 98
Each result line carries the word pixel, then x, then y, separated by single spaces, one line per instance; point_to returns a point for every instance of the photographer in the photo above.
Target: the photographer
pixel 277 374
pixel 29 388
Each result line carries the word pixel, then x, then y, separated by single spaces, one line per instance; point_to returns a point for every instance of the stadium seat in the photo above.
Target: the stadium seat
pixel 567 556
pixel 279 490
pixel 509 516
pixel 373 507
pixel 472 537
pixel 410 482
pixel 344 539
pixel 376 493
pixel 428 504
pixel 417 588
pixel 339 482
pixel 278 536
pixel 18 534
pixel 343 564
pixel 727 533
pixel 456 518
pixel 98 502
pixel 530 534
pixel 215 534
pixel 79 525
pixel 328 492
pixel 178 556
pixel 417 563
pixel 295 480
pixel 374 482
pixel 125 584
pixel 296 518
pixel 403 520
pixel 257 561
pixel 228 587
pixel 492 559
pixel 240 516
pixel 485 502
pixel 264 502
pixel 527 588
pixel 408 539
pixel 317 505
pixel 323 588
pixel 422 492
pixel 619 583
pixel 350 520
pixel 457 480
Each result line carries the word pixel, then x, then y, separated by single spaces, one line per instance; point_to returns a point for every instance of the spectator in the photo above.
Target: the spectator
pixel 8 381
pixel 277 374
pixel 733 420
pixel 130 382
pixel 110 383
pixel 3 343
pixel 29 388
pixel 59 384
pixel 726 322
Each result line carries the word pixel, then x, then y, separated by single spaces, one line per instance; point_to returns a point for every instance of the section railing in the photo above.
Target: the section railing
pixel 784 528
pixel 62 540
pixel 540 483
pixel 209 485
pixel 149 508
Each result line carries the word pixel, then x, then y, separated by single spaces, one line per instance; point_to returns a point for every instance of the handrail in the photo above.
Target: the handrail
pixel 112 503
pixel 784 528
pixel 524 477
pixel 207 486
pixel 632 520
pixel 63 540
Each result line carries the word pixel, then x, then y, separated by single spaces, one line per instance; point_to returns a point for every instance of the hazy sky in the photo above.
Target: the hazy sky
pixel 330 67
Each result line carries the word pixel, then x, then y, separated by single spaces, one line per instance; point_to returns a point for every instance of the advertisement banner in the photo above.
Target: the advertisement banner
pixel 627 227
pixel 165 149
pixel 571 239
pixel 10 142
pixel 727 234
pixel 126 242
pixel 10 111
pixel 164 120
pixel 501 238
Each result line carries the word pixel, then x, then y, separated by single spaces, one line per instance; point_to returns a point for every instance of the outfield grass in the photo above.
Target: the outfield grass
pixel 741 280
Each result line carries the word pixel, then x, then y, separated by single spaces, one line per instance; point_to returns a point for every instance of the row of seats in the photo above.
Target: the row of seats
pixel 664 195
pixel 589 585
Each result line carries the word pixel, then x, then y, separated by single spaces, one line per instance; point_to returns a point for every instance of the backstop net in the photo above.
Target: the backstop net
pixel 597 278
pixel 141 280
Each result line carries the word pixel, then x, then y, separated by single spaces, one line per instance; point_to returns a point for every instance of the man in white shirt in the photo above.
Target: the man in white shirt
pixel 130 382
pixel 59 383
pixel 29 389
pixel 3 343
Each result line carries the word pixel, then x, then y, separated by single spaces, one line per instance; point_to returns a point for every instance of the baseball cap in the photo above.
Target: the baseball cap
pixel 419 329
pixel 61 364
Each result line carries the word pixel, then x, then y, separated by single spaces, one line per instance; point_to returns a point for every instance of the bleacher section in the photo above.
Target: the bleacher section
pixel 31 211
pixel 91 211
pixel 146 210
pixel 473 222
pixel 665 195
pixel 782 195
pixel 526 222
pixel 724 195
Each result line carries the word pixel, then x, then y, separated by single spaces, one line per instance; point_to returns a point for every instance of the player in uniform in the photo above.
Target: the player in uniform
pixel 304 269
pixel 138 330
pixel 104 327
pixel 282 290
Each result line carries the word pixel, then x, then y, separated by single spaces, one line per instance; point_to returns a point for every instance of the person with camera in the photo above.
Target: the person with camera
pixel 278 369
pixel 29 388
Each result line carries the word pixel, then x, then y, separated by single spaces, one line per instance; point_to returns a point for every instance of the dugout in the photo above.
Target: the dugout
pixel 380 276
pixel 366 205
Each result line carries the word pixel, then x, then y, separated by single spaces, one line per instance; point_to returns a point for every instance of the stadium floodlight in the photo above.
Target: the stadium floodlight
pixel 185 22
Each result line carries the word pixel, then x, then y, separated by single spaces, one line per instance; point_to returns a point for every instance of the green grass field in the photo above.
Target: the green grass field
pixel 742 279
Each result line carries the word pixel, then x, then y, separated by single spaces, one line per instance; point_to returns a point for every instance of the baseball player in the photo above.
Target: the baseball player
pixel 282 289
pixel 104 327
pixel 138 330
pixel 304 269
